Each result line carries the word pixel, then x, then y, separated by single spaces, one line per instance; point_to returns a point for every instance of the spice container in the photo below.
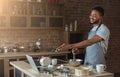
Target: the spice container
pixel 66 28
pixel 5 49
pixel 71 27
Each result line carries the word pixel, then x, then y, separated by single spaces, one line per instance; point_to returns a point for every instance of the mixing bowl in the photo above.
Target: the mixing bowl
pixel 76 62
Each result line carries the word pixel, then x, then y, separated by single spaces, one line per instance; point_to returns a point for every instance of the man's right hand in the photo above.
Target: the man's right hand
pixel 75 51
pixel 60 47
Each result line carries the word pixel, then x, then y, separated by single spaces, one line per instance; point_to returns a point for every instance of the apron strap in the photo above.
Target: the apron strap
pixel 99 26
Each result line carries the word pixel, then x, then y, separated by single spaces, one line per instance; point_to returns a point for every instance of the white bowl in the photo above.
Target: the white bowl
pixel 45 61
pixel 75 63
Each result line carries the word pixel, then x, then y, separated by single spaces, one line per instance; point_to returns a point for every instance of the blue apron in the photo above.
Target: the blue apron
pixel 94 53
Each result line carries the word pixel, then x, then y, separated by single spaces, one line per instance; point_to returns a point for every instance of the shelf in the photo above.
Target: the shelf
pixel 55 10
pixel 30 14
pixel 37 8
pixel 37 2
pixel 15 20
pixel 55 16
pixel 28 28
pixel 56 2
pixel 19 1
pixel 18 15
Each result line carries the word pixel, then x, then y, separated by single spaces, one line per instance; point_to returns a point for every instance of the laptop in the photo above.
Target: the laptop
pixel 32 63
pixel 38 68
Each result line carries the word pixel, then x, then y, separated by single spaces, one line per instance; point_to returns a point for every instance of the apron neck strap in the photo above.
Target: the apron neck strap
pixel 99 26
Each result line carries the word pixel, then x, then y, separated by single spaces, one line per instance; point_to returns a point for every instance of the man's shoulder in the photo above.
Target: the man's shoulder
pixel 104 27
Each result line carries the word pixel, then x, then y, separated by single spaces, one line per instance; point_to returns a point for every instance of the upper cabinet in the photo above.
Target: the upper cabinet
pixel 31 13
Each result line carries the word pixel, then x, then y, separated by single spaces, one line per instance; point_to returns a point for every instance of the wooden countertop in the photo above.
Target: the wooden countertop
pixel 26 68
pixel 18 54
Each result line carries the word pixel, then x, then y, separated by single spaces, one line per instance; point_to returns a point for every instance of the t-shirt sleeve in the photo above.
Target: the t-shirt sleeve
pixel 103 32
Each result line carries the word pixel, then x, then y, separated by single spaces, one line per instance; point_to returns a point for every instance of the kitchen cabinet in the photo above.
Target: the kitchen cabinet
pixel 29 14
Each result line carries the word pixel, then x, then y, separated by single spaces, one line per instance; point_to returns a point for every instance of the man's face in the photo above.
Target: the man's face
pixel 94 17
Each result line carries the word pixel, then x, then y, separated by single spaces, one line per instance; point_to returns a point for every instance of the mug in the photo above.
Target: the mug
pixel 100 68
pixel 54 61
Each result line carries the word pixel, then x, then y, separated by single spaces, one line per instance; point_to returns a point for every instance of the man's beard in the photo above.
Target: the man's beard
pixel 95 22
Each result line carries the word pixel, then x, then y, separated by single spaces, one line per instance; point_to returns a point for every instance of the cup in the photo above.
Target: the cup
pixel 54 61
pixel 100 68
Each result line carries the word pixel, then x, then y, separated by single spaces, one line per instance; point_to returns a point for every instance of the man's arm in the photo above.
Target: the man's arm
pixel 88 42
pixel 81 44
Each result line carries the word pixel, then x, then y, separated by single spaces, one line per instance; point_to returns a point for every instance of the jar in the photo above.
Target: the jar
pixel 5 49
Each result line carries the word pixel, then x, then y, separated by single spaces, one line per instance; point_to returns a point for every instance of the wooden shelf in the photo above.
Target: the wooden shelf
pixel 38 16
pixel 55 16
pixel 27 12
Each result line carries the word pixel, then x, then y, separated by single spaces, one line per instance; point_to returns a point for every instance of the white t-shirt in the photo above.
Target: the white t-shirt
pixel 104 33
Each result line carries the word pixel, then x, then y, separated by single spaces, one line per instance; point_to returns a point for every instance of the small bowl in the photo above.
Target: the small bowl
pixel 75 63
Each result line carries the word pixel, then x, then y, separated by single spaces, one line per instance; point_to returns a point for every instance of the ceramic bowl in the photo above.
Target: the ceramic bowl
pixel 76 62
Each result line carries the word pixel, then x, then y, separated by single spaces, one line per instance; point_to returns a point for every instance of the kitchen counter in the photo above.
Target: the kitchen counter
pixel 25 68
pixel 17 56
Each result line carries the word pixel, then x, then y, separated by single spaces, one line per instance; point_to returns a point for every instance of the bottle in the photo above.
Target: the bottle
pixel 5 49
pixel 71 26
pixel 75 25
pixel 66 27
pixel 38 43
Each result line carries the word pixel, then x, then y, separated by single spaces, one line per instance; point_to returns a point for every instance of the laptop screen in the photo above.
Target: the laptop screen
pixel 32 63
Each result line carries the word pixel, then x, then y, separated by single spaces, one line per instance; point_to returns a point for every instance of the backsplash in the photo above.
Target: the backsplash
pixel 49 38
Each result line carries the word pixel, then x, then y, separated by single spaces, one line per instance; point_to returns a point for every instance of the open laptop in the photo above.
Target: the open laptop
pixel 32 63
pixel 38 68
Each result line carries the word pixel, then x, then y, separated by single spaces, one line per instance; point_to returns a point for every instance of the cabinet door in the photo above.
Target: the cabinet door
pixel 3 21
pixel 38 21
pixel 18 21
pixel 55 22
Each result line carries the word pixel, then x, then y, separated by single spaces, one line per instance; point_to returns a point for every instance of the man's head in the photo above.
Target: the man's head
pixel 96 15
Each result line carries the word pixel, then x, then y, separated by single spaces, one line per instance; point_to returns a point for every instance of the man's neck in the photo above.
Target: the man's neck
pixel 97 24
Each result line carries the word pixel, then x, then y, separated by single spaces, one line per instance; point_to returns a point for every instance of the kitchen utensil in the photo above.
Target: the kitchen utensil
pixel 75 62
pixel 73 57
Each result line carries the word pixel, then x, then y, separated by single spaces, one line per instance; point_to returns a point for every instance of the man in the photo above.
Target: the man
pixel 97 42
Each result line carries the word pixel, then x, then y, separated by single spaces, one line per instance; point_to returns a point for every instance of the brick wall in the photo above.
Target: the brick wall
pixel 80 9
pixel 10 37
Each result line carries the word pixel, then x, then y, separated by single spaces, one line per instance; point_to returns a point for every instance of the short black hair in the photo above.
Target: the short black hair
pixel 99 9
